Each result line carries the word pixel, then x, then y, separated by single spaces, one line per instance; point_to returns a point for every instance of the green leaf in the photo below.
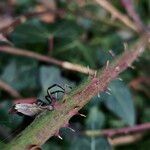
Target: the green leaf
pixel 86 23
pixel 103 56
pixel 95 119
pixel 51 146
pixel 66 29
pixel 2 144
pixel 9 72
pixel 87 53
pixel 92 143
pixel 50 76
pixel 9 120
pixel 95 101
pixel 120 102
pixel 66 34
pixel 146 115
pixel 20 74
pixel 30 32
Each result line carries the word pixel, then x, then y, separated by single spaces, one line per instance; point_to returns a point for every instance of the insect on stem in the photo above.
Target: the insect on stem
pixel 39 106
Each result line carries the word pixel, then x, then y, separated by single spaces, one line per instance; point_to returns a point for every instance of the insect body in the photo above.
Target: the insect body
pixel 38 107
pixel 30 109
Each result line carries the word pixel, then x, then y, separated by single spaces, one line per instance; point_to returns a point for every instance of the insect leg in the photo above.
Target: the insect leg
pixel 40 102
pixel 49 96
pixel 55 85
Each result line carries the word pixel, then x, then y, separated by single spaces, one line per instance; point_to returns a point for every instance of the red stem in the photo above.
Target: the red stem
pixel 17 21
pixel 129 6
pixel 126 130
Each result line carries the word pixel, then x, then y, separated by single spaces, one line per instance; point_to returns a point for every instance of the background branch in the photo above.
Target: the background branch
pixel 48 123
pixel 128 4
pixel 19 20
pixel 6 87
pixel 125 139
pixel 117 14
pixel 122 131
pixel 63 64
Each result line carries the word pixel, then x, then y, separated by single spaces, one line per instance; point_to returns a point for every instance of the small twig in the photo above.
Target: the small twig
pixel 118 132
pixel 123 18
pixel 125 139
pixel 63 64
pixel 19 20
pixel 6 87
pixel 128 4
pixel 48 123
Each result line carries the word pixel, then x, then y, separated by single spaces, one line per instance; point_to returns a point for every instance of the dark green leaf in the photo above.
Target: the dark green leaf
pixel 51 146
pixel 92 143
pixel 50 76
pixel 9 120
pixel 20 74
pixel 30 32
pixel 120 102
pixel 95 119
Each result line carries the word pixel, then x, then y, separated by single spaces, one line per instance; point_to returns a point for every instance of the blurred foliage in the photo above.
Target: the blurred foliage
pixel 84 35
pixel 120 102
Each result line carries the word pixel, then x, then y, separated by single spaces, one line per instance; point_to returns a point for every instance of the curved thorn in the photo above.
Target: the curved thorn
pixel 98 95
pixel 111 53
pixel 107 63
pixel 120 79
pixel 59 137
pixel 71 129
pixel 108 93
pixel 109 89
pixel 82 115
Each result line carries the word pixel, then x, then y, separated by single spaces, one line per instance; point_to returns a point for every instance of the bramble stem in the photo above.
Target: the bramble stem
pixel 48 123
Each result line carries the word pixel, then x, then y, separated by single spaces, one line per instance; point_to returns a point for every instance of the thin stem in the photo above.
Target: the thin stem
pixel 118 132
pixel 117 14
pixel 6 87
pixel 19 20
pixel 63 64
pixel 48 123
pixel 128 4
pixel 125 139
